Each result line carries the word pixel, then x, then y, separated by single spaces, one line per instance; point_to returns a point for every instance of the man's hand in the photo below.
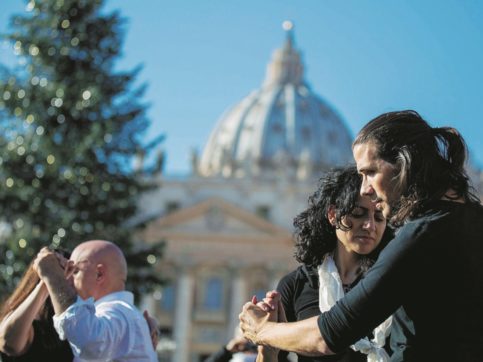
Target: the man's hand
pixel 48 264
pixel 252 321
pixel 272 303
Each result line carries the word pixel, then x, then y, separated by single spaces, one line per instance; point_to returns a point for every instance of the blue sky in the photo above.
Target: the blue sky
pixel 364 57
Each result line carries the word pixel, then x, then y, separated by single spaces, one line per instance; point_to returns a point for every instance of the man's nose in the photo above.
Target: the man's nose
pixel 366 188
pixel 369 224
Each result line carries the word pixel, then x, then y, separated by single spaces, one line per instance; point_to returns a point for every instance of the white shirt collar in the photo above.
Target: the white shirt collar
pixel 122 295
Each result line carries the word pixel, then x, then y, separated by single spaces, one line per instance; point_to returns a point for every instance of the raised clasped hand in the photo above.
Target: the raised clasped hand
pixel 47 263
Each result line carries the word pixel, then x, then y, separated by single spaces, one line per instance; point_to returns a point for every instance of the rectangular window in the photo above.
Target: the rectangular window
pixel 213 295
pixel 263 211
pixel 171 206
pixel 167 298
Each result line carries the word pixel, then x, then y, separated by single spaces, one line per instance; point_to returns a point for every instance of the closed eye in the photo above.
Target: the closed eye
pixel 358 212
pixel 368 172
pixel 379 218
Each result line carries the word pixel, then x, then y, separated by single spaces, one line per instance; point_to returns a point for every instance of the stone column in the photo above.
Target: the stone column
pixel 238 298
pixel 182 316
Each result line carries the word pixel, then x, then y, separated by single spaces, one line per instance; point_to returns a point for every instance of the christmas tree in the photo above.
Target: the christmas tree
pixel 71 126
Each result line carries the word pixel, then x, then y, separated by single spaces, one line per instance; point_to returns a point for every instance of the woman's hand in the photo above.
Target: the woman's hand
pixel 153 328
pixel 273 303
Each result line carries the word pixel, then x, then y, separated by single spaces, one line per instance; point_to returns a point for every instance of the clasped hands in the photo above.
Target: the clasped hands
pixel 49 263
pixel 257 316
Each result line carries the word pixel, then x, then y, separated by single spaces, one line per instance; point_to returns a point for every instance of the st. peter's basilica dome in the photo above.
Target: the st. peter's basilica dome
pixel 281 128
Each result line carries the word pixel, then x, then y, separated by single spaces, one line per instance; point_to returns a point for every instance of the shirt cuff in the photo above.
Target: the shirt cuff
pixel 61 321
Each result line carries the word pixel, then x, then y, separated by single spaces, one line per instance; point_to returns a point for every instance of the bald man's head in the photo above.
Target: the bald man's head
pixel 100 268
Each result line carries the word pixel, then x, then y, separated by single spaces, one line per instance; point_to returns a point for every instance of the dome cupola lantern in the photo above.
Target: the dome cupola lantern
pixel 286 66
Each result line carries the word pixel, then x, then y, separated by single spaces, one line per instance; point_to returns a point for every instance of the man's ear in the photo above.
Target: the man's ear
pixel 331 215
pixel 100 272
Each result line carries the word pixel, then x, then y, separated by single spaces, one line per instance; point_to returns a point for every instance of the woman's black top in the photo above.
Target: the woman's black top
pixel 434 269
pixel 300 298
pixel 46 346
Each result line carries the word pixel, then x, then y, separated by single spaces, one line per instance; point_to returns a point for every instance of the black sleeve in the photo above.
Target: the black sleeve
pixel 378 295
pixel 286 287
pixel 223 355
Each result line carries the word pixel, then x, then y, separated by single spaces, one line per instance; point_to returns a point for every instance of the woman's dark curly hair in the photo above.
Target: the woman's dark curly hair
pixel 314 234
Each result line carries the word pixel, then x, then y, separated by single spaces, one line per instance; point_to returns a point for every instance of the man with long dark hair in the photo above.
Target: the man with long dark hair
pixel 432 268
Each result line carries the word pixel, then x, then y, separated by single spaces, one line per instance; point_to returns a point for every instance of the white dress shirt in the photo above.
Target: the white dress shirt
pixel 110 329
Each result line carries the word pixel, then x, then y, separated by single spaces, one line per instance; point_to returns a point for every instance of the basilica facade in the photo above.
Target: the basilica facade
pixel 228 225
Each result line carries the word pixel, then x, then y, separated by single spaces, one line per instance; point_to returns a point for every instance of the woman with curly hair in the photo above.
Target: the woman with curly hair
pixel 338 237
pixel 431 270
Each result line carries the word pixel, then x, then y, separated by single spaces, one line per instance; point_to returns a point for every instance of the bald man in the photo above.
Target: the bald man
pixel 92 309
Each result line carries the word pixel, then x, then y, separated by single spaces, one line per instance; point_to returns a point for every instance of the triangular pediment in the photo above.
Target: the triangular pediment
pixel 214 219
